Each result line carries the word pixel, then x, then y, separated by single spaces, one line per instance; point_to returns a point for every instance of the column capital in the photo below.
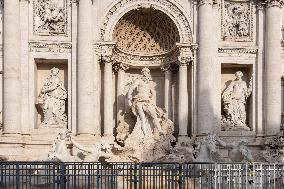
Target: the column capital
pixel 75 2
pixel 166 67
pixel 104 48
pixel 260 5
pixel 184 60
pixel 105 51
pixel 107 59
pixel 118 66
pixel 205 2
pixel 185 54
pixel 274 3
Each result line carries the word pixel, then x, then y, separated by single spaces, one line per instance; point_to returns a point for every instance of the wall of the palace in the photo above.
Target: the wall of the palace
pixel 53 41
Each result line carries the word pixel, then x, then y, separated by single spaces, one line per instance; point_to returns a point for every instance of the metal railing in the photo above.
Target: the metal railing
pixel 38 175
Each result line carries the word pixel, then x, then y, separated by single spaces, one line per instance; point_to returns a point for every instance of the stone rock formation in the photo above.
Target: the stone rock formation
pixel 274 149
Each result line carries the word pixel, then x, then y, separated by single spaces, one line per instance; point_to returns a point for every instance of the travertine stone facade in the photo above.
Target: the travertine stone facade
pixel 211 67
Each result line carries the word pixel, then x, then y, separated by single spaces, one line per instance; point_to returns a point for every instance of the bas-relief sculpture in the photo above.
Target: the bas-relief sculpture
pixel 236 21
pixel 50 17
pixel 52 99
pixel 234 99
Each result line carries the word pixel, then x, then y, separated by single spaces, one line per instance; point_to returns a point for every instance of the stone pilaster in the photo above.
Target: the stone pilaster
pixel 206 85
pixel 272 94
pixel 73 120
pixel 166 68
pixel 85 69
pixel 260 67
pixel 12 73
pixel 24 23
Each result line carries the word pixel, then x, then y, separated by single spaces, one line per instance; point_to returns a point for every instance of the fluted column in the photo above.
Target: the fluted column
pixel 183 100
pixel 260 67
pixel 120 68
pixel 85 69
pixel 184 58
pixel 108 101
pixel 272 103
pixel 168 90
pixel 205 89
pixel 12 73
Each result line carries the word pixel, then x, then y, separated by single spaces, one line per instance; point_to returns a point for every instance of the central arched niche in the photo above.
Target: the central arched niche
pixel 146 32
pixel 147 37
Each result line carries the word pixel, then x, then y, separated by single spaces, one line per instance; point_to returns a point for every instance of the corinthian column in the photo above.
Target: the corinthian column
pixel 12 73
pixel 183 100
pixel 184 60
pixel 108 101
pixel 272 103
pixel 85 69
pixel 205 88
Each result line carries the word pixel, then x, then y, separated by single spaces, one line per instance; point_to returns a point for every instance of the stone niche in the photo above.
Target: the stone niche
pixel 44 101
pixel 236 97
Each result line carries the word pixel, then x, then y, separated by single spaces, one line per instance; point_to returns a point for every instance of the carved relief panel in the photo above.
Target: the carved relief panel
pixel 50 17
pixel 237 21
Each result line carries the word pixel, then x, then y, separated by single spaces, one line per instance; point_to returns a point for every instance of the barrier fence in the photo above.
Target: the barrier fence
pixel 48 175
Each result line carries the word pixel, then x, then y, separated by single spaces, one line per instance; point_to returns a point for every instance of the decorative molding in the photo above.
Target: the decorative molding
pixel 168 7
pixel 50 17
pixel 144 60
pixel 50 47
pixel 237 21
pixel 237 50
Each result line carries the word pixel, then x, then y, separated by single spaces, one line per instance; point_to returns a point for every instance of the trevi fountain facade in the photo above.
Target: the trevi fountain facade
pixel 142 80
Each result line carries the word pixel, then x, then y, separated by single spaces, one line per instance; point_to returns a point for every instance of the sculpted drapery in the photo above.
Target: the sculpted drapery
pixel 52 99
pixel 234 100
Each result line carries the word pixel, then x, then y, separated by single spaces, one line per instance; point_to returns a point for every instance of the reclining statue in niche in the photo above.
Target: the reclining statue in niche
pixel 52 100
pixel 234 100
